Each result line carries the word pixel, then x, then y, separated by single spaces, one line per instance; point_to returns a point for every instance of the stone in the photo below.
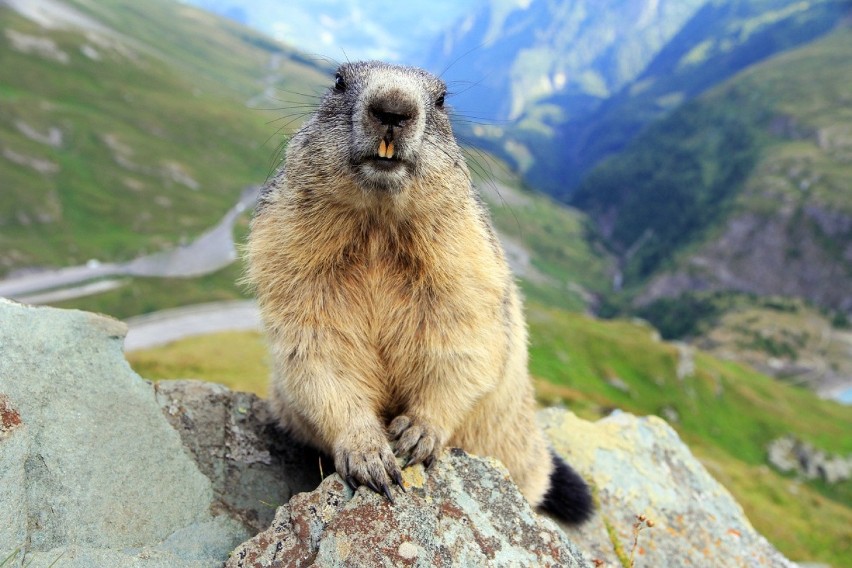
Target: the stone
pixel 93 466
pixel 639 466
pixel 789 454
pixel 465 511
pixel 100 468
pixel 253 466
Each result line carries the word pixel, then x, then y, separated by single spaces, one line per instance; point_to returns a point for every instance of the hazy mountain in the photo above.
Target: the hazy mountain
pixel 722 38
pixel 510 54
pixel 556 87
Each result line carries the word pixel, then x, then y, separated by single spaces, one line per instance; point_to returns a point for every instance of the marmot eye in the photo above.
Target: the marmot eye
pixel 339 83
pixel 440 100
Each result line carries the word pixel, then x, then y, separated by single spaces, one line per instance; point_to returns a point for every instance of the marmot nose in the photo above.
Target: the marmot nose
pixel 390 118
pixel 392 109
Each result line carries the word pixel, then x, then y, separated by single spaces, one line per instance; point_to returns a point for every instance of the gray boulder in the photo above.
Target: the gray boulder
pixel 789 454
pixel 91 472
pixel 639 466
pixel 14 446
pixel 464 512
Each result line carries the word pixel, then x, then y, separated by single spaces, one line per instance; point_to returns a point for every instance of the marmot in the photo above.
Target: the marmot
pixel 394 322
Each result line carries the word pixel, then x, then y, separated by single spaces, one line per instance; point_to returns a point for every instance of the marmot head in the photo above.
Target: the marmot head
pixel 381 125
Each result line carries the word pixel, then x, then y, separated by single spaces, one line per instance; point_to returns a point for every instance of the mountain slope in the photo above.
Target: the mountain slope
pixel 570 83
pixel 124 127
pixel 788 340
pixel 745 189
pixel 722 38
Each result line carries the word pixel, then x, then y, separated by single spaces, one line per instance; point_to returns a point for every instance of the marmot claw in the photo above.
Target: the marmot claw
pixel 373 466
pixel 416 439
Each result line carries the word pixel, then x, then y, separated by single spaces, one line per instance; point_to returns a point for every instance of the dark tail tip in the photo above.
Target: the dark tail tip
pixel 569 497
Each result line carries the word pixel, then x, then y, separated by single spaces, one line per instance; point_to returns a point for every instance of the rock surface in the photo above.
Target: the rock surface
pixel 100 468
pixel 639 466
pixel 754 255
pixel 789 454
pixel 463 512
pixel 92 473
pixel 254 468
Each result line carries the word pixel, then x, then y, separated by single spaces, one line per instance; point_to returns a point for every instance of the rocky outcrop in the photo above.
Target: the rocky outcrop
pixel 13 452
pixel 464 511
pixel 639 466
pixel 802 254
pixel 791 455
pixel 253 467
pixel 100 468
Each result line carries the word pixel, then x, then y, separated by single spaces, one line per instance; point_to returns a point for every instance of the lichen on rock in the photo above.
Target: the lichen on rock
pixel 465 511
pixel 639 466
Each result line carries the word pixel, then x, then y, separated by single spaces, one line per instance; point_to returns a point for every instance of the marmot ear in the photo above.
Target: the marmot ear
pixel 339 83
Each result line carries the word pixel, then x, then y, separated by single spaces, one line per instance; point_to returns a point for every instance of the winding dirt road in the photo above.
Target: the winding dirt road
pixel 165 326
pixel 208 253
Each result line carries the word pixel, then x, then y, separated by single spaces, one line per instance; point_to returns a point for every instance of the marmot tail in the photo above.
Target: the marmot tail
pixel 569 497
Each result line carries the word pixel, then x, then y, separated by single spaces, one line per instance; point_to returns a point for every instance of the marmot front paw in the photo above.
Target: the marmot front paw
pixel 415 438
pixel 368 460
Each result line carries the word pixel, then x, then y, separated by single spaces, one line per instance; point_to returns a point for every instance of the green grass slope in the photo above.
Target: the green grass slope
pixel 134 134
pixel 725 411
pixel 568 267
pixel 790 341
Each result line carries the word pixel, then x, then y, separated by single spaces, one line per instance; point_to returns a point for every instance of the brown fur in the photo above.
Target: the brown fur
pixel 391 312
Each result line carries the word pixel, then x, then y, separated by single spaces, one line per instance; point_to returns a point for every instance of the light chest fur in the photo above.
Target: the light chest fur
pixel 399 289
